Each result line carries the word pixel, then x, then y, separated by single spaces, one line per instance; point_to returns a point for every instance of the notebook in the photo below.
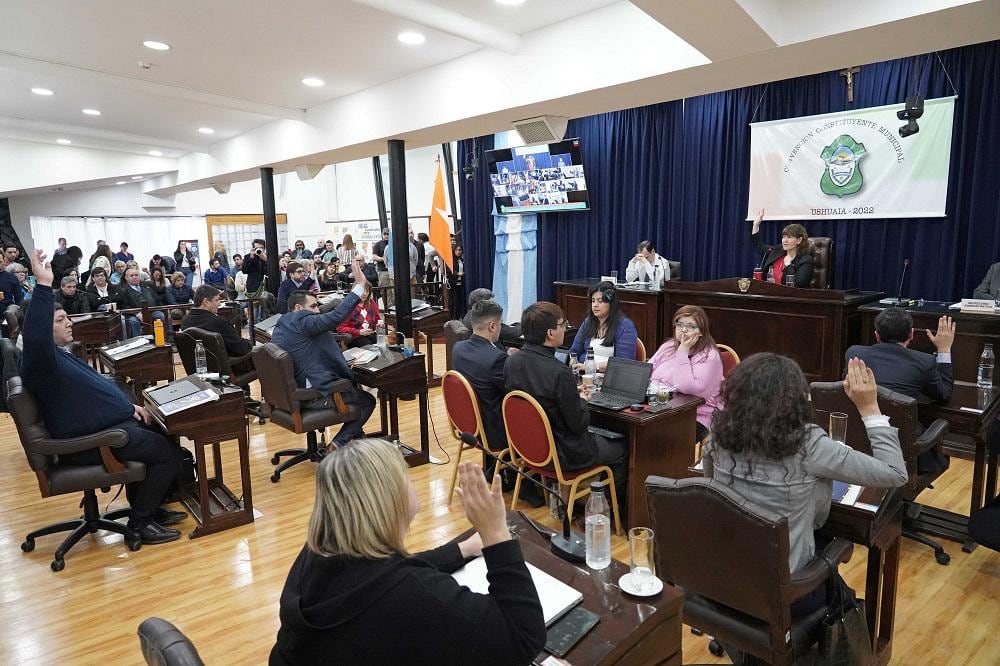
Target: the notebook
pixel 173 391
pixel 556 596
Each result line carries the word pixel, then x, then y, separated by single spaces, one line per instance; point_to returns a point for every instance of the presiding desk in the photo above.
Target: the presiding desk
pixel 631 630
pixel 812 326
pixel 660 442
pixel 211 502
pixel 640 304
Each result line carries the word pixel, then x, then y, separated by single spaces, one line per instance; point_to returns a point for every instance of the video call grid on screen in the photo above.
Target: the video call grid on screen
pixel 538 178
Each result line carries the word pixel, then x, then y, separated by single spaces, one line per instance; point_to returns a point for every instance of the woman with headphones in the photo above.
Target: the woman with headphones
pixel 792 261
pixel 606 329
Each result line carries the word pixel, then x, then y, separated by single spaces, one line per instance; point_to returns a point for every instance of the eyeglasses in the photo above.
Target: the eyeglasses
pixel 562 324
pixel 687 326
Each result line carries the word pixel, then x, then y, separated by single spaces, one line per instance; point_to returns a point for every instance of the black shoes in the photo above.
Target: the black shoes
pixel 166 517
pixel 533 495
pixel 154 533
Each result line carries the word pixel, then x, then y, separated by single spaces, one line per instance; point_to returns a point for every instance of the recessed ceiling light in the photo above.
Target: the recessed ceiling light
pixel 206 130
pixel 120 182
pixel 92 112
pixel 313 82
pixel 510 3
pixel 136 177
pixel 44 92
pixel 411 38
pixel 155 45
pixel 156 153
pixel 64 142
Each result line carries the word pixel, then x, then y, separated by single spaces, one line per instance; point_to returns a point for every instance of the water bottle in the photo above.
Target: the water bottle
pixel 200 358
pixel 984 378
pixel 589 368
pixel 598 538
pixel 656 276
pixel 380 334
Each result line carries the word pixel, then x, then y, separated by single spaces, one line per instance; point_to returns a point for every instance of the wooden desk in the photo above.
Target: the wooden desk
pixel 966 438
pixel 429 321
pixel 643 306
pixel 813 326
pixel 143 367
pixel 972 331
pixel 631 630
pixel 398 377
pixel 881 533
pixel 93 331
pixel 660 443
pixel 214 505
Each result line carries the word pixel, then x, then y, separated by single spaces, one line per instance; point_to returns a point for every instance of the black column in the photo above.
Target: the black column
pixel 449 183
pixel 383 216
pixel 400 238
pixel 270 229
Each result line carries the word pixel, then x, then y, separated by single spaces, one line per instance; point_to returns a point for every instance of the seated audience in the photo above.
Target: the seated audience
pixel 645 263
pixel 300 252
pixel 99 292
pixel 690 362
pixel 10 290
pixel 769 451
pixel 354 579
pixel 361 323
pixel 205 315
pixel 308 337
pixel 792 258
pixel 72 300
pixel 216 275
pixel 158 283
pixel 54 376
pixel 135 294
pixel 116 276
pixel 19 271
pixel 296 281
pixel 178 293
pixel 536 371
pixel 329 278
pixel 606 329
pixel 911 372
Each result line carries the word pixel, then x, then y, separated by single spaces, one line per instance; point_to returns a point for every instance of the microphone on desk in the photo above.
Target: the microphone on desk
pixel 568 545
pixel 899 292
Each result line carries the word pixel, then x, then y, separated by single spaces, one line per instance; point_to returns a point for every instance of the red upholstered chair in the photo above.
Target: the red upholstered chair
pixel 533 449
pixel 730 359
pixel 463 414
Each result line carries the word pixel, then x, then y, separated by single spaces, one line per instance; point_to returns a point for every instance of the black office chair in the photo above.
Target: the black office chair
pixel 219 361
pixel 163 644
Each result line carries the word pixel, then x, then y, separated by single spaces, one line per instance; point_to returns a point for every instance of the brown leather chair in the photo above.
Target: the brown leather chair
pixel 902 412
pixel 675 269
pixel 163 644
pixel 731 560
pixel 454 332
pixel 284 399
pixel 43 454
pixel 218 360
pixel 10 318
pixel 823 258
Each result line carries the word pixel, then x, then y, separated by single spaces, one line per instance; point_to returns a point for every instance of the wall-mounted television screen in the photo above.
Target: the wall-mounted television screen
pixel 541 178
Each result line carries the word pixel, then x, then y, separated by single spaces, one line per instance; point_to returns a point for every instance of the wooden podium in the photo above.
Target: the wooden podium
pixel 813 326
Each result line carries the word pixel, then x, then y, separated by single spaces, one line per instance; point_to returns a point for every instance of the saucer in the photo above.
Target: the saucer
pixel 625 583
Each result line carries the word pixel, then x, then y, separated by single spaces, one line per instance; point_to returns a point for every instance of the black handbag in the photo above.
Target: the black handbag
pixel 844 639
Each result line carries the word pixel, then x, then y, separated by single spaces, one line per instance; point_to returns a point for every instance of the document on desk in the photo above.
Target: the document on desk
pixel 556 596
pixel 189 401
pixel 120 350
pixel 860 497
pixel 360 356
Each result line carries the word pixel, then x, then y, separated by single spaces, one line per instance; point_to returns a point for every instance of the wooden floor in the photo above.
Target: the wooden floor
pixel 222 590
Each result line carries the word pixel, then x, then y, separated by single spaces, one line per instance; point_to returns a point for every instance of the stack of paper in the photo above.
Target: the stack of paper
pixel 189 401
pixel 128 346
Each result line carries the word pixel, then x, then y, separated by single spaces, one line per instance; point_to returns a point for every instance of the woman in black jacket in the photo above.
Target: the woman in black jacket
pixel 793 259
pixel 186 262
pixel 354 595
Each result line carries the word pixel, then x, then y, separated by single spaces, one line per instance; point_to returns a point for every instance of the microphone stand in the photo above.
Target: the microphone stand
pixel 568 545
pixel 899 293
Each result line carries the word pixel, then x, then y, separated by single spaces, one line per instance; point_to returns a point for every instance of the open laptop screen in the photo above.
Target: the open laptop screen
pixel 627 378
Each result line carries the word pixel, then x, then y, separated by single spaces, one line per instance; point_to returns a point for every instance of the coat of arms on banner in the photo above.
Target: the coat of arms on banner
pixel 842 175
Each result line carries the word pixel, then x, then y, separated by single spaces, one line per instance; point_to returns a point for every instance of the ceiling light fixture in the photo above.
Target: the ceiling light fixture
pixel 63 142
pixel 136 177
pixel 91 112
pixel 411 38
pixel 206 130
pixel 120 182
pixel 313 82
pixel 155 45
pixel 44 92
pixel 156 153
pixel 510 3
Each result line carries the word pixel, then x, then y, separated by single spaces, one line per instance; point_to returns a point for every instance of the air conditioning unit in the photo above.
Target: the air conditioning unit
pixel 543 129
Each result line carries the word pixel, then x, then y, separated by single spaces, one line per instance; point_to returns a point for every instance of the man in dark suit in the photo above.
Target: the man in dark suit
pixel 134 294
pixel 990 286
pixel 507 332
pixel 205 315
pixel 908 371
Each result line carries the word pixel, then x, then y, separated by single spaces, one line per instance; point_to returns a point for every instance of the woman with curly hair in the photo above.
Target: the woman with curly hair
pixel 764 446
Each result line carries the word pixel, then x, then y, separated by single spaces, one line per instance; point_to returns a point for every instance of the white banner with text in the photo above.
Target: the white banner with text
pixel 851 164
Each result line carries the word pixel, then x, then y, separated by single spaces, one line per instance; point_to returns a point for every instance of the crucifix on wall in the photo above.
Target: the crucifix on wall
pixel 848 74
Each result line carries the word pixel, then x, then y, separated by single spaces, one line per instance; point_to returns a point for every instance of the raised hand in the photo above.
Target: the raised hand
pixel 358 274
pixel 484 505
pixel 945 335
pixel 860 386
pixel 41 269
pixel 757 220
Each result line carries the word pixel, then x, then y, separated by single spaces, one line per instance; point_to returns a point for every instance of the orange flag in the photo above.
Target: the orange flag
pixel 440 231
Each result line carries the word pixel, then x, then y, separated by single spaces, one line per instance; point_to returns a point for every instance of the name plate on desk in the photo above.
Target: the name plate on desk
pixel 977 306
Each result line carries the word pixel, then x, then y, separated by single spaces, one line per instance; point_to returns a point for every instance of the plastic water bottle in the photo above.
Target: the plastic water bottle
pixel 656 277
pixel 598 537
pixel 200 358
pixel 380 334
pixel 589 368
pixel 984 378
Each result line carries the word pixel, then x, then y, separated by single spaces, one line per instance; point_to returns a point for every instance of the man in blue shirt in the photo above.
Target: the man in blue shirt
pixel 319 363
pixel 216 275
pixel 124 254
pixel 76 401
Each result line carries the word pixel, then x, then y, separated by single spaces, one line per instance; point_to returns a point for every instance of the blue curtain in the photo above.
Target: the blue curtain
pixel 476 197
pixel 678 173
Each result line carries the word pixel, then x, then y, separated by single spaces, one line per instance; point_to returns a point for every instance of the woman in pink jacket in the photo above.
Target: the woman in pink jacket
pixel 690 362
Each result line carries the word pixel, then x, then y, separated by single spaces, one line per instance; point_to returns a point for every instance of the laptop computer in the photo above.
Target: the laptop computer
pixel 625 383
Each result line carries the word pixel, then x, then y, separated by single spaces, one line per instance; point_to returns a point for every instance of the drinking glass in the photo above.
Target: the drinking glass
pixel 838 427
pixel 641 563
pixel 789 280
pixel 651 392
pixel 614 276
pixel 663 395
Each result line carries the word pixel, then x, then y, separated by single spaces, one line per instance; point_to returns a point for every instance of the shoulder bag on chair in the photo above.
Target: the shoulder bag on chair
pixel 844 639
